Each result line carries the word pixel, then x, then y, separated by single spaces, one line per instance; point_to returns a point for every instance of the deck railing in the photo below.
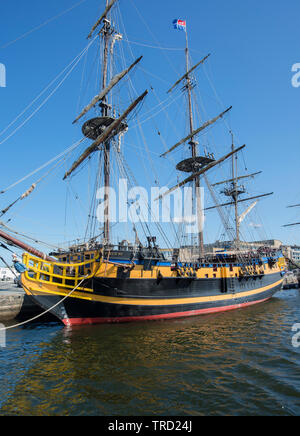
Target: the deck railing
pixel 56 273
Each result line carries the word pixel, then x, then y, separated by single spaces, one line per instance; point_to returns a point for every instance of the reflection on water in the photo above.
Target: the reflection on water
pixel 235 363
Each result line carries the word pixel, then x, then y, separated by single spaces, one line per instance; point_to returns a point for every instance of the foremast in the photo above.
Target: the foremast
pixel 103 129
pixel 106 33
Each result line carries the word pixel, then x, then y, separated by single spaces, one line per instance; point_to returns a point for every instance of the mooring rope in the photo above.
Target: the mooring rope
pixel 51 308
pixel 46 311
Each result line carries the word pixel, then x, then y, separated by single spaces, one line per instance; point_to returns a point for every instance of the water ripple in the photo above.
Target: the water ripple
pixel 236 363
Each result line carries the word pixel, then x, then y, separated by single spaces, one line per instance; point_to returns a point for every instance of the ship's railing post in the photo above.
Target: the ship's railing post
pixel 51 272
pixel 64 271
pixel 37 274
pixel 76 275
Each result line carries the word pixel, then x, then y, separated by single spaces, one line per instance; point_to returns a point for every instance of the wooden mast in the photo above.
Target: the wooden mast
pixel 196 162
pixel 235 193
pixel 105 112
pixel 110 131
pixel 193 145
pixel 103 129
pixel 114 81
pixel 206 168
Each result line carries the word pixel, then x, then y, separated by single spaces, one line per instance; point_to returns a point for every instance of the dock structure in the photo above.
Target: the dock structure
pixel 15 304
pixel 7 285
pixel 291 280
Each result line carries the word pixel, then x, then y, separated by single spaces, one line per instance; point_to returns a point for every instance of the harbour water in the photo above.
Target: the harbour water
pixel 237 363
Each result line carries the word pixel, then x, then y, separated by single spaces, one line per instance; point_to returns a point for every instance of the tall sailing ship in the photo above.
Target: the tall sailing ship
pixel 99 282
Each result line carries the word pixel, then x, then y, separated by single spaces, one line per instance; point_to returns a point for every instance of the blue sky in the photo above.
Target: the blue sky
pixel 253 46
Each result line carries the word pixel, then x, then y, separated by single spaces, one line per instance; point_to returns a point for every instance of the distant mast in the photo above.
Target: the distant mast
pixel 235 193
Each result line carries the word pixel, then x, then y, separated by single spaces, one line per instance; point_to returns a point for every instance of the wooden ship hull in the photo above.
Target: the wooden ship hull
pixel 115 292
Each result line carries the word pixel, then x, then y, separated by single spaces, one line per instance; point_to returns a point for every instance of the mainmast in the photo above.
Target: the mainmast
pixel 196 165
pixel 193 145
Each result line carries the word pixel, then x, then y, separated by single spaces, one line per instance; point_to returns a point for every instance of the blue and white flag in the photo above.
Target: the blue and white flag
pixel 179 24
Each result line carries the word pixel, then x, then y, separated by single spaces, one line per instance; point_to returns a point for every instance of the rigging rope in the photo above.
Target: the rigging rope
pixel 46 311
pixel 69 150
pixel 51 308
pixel 37 241
pixel 30 190
pixel 42 25
pixel 77 59
pixel 152 46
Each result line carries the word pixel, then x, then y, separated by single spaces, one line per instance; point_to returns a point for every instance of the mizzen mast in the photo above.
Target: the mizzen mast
pixel 235 190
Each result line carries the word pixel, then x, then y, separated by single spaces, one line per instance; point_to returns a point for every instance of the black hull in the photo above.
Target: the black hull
pixel 149 300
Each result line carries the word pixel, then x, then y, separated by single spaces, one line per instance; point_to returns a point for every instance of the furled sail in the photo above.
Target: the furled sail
pixel 195 132
pixel 202 171
pixel 108 132
pixel 25 195
pixel 115 80
pixel 247 211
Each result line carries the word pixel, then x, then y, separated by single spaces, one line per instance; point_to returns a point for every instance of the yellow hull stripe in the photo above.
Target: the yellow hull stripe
pixel 149 302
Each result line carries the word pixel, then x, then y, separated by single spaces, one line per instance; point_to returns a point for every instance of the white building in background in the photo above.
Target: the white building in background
pixel 292 252
pixel 296 253
pixel 6 274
